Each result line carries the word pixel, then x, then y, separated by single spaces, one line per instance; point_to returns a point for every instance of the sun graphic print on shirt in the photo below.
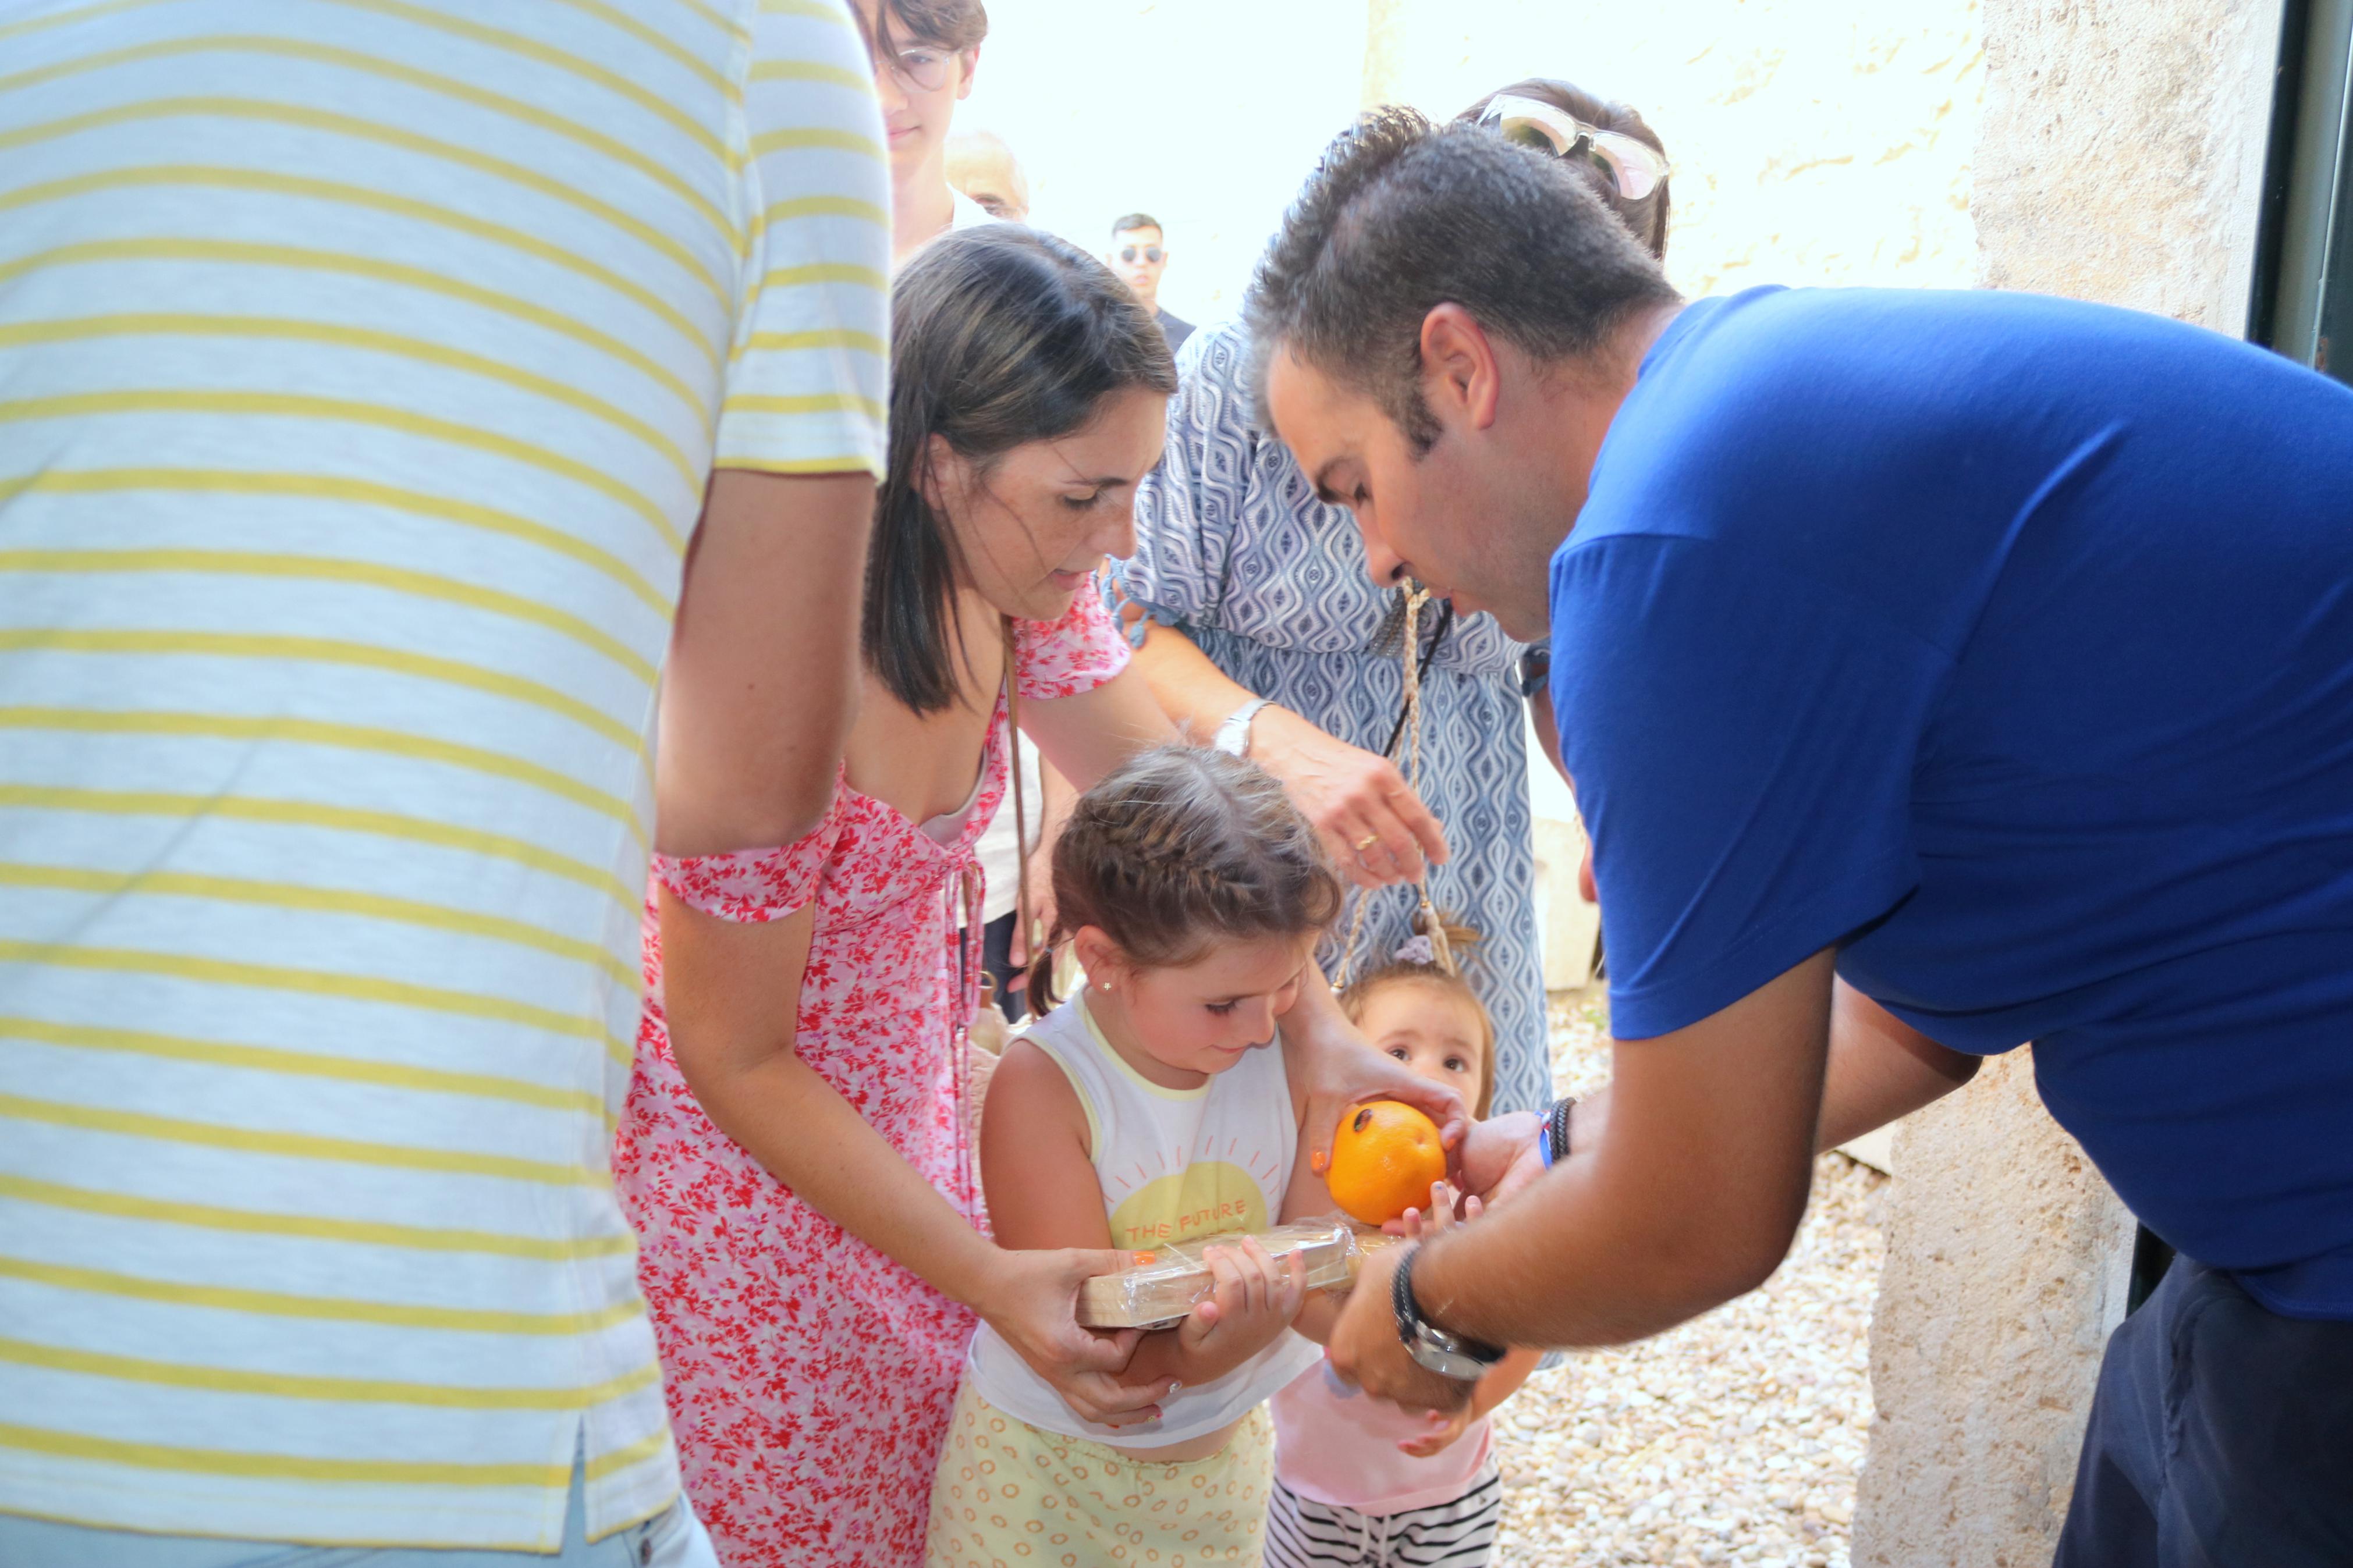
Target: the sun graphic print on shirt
pixel 1211 1196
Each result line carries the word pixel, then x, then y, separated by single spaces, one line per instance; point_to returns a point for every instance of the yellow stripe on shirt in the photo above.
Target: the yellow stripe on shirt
pixel 385 135
pixel 388 70
pixel 278 1467
pixel 321 900
pixel 316 982
pixel 250 328
pixel 292 1385
pixel 330 487
pixel 311 814
pixel 201 175
pixel 302 1064
pixel 329 569
pixel 328 650
pixel 296 1145
pixel 816 137
pixel 321 733
pixel 286 406
pixel 311 1228
pixel 327 1308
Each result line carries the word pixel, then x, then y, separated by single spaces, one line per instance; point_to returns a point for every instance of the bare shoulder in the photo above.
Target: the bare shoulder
pixel 1030 1097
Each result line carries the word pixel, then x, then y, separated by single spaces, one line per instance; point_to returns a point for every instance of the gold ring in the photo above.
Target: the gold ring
pixel 1367 842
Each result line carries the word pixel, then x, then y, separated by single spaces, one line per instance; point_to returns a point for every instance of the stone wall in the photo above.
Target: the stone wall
pixel 2119 159
pixel 2007 1259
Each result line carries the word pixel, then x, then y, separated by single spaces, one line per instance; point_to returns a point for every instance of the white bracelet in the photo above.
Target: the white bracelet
pixel 1233 735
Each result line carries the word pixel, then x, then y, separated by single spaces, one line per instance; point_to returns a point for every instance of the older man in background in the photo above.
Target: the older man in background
pixel 981 165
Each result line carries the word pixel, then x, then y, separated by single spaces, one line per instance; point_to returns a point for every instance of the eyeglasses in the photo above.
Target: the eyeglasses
pixel 925 70
pixel 1128 253
pixel 1634 169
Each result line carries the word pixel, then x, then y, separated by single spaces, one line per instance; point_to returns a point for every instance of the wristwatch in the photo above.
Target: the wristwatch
pixel 1233 735
pixel 1448 1355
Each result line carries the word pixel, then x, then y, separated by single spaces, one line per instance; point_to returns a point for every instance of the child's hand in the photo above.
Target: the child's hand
pixel 1253 1299
pixel 1439 1218
pixel 1445 1427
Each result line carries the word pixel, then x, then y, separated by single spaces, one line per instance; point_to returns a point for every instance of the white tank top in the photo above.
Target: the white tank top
pixel 1176 1164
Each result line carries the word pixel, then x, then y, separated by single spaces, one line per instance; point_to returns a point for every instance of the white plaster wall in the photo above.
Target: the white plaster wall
pixel 1822 142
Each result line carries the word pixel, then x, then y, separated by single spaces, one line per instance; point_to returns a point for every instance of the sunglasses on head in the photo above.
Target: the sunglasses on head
pixel 1634 169
pixel 1128 253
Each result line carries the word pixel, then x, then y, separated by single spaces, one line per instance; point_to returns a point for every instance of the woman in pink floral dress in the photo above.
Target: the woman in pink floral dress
pixel 794 1153
pixel 810 1233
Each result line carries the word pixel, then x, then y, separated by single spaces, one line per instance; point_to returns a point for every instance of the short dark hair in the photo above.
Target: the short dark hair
pixel 1135 220
pixel 1646 215
pixel 1000 335
pixel 1402 216
pixel 952 25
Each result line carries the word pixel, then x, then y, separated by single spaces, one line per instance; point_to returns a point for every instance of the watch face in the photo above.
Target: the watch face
pixel 1446 1362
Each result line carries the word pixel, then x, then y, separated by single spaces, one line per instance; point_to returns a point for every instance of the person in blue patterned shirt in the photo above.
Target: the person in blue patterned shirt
pixel 1255 623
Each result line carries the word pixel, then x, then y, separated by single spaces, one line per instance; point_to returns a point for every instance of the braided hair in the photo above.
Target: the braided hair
pixel 1182 847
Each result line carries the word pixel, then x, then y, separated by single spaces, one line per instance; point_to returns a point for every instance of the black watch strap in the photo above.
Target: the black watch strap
pixel 1556 1129
pixel 1455 1355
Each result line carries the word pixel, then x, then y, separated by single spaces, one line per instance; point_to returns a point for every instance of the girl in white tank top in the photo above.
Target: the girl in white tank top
pixel 1152 1108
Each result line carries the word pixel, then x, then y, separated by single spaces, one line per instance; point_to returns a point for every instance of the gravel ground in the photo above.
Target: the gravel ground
pixel 1734 1438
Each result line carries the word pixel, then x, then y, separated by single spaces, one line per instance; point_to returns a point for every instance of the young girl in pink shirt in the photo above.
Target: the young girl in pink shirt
pixel 1360 1481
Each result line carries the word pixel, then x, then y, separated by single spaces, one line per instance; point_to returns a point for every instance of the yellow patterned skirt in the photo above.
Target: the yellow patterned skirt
pixel 1008 1495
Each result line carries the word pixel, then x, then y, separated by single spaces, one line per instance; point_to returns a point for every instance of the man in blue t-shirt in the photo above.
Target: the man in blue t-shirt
pixel 1940 673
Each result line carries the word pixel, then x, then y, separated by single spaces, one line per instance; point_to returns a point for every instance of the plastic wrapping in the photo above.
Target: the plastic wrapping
pixel 1159 1286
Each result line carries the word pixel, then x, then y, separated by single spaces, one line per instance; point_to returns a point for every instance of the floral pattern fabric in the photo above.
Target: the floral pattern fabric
pixel 809 1377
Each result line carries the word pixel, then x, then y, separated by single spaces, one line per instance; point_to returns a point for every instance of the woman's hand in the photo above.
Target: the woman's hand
pixel 1375 828
pixel 1328 1059
pixel 1032 1298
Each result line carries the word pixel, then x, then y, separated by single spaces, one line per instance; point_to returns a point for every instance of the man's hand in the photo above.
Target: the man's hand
pixel 1366 1350
pixel 1376 828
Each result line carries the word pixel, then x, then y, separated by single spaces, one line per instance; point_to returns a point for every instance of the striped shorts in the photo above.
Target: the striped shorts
pixel 1304 1533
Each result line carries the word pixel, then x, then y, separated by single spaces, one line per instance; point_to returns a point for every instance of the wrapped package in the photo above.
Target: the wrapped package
pixel 1159 1286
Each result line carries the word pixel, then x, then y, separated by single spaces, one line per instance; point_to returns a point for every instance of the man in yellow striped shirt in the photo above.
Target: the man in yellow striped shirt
pixel 364 369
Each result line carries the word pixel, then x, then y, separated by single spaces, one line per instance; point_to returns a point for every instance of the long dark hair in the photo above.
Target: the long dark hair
pixel 1182 847
pixel 999 336
pixel 1647 218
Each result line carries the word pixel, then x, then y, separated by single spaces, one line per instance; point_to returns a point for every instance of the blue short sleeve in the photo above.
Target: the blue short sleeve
pixel 1743 740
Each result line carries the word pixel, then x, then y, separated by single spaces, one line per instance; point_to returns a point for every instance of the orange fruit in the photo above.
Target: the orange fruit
pixel 1384 1157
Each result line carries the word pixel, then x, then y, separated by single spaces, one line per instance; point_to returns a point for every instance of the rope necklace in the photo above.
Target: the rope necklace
pixel 1409 721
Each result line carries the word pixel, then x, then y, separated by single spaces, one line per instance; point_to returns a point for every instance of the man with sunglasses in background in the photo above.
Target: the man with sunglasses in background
pixel 1139 254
